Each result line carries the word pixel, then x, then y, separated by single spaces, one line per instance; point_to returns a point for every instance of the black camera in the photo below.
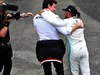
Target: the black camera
pixel 3 12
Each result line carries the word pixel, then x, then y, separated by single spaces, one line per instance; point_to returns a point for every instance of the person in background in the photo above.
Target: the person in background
pixel 5 46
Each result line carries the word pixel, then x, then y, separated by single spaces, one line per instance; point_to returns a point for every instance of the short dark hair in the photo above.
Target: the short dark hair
pixel 46 2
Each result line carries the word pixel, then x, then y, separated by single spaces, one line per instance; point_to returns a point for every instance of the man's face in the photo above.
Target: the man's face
pixel 52 8
pixel 67 14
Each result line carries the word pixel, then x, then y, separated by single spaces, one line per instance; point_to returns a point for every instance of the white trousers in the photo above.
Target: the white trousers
pixel 79 58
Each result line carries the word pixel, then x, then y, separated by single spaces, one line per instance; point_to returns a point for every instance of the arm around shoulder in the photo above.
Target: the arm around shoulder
pixel 78 25
pixel 54 19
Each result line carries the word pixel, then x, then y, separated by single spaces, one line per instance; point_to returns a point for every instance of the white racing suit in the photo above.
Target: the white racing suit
pixel 78 54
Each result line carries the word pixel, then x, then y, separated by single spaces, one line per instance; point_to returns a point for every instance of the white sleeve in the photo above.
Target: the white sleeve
pixel 53 19
pixel 64 30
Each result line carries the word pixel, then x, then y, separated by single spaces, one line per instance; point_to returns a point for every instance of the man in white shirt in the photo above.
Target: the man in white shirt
pixel 50 48
pixel 78 53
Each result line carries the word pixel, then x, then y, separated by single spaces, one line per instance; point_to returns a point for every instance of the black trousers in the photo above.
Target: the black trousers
pixel 58 68
pixel 5 58
pixel 6 63
pixel 50 49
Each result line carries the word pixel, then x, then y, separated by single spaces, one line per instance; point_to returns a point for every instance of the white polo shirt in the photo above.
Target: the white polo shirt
pixel 46 30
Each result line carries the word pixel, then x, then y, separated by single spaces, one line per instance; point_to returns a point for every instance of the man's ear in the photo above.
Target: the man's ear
pixel 71 14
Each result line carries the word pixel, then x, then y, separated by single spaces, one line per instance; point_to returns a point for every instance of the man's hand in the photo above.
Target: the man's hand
pixel 26 15
pixel 9 15
pixel 41 11
pixel 2 2
pixel 79 23
pixel 8 20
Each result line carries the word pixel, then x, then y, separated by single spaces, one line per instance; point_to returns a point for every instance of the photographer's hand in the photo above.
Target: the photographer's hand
pixel 2 2
pixel 7 21
pixel 9 15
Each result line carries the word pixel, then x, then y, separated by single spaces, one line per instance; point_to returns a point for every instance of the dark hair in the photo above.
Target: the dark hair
pixel 77 14
pixel 46 2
